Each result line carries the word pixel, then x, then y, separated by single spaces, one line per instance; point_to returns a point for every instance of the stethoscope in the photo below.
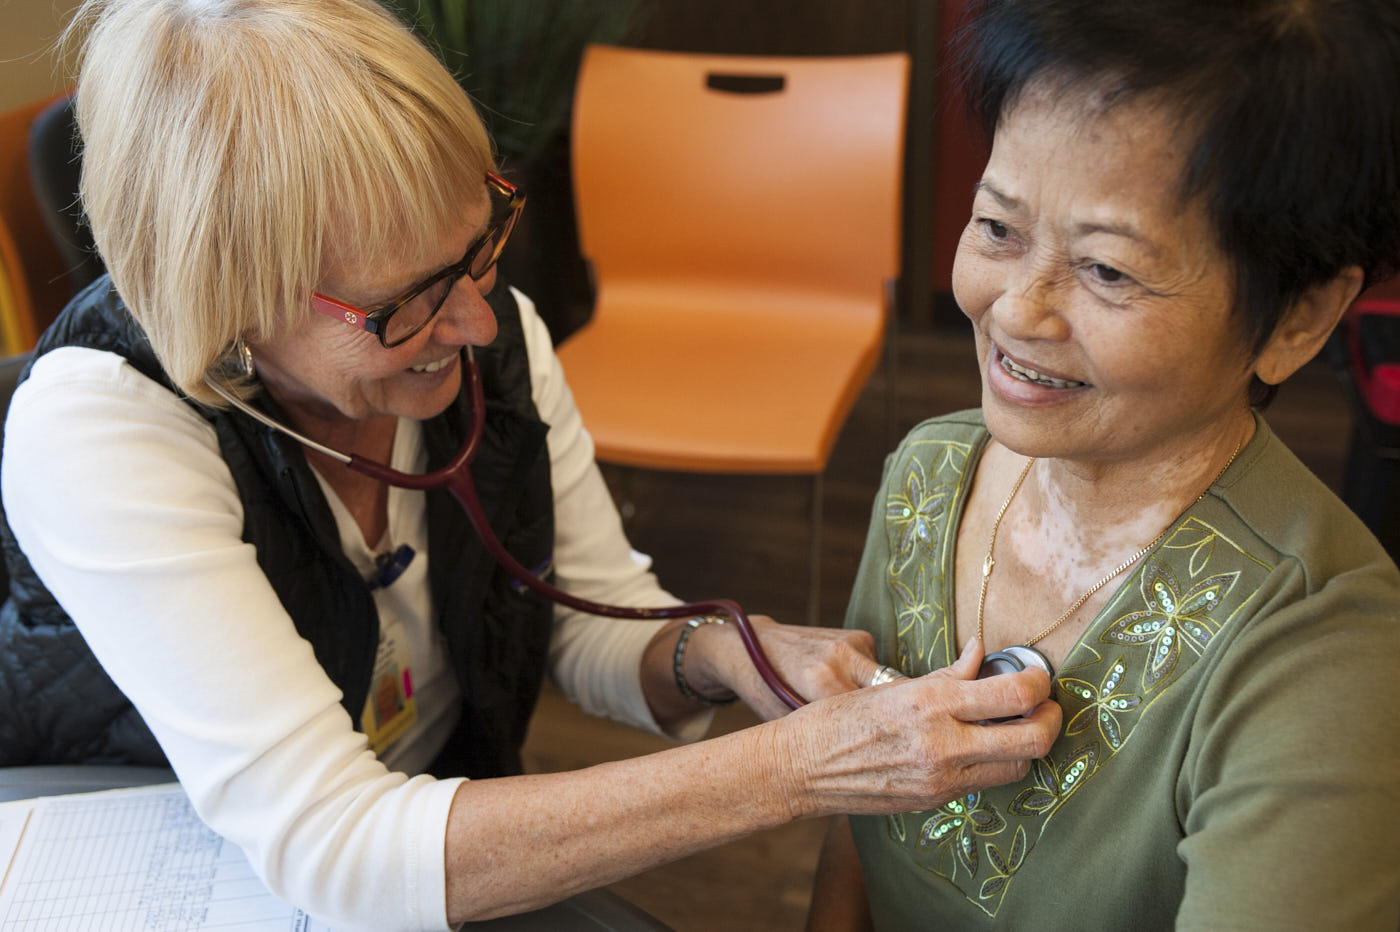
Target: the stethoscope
pixel 456 478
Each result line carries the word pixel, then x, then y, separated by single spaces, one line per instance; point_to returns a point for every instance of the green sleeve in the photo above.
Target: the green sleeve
pixel 1290 787
pixel 870 608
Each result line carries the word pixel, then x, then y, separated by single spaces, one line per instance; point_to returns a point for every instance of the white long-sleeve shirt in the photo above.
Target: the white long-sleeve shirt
pixel 117 493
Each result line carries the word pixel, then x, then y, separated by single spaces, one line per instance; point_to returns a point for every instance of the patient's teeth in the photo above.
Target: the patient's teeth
pixel 1026 374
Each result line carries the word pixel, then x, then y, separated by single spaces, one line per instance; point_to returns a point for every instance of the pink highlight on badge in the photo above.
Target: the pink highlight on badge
pixel 407 684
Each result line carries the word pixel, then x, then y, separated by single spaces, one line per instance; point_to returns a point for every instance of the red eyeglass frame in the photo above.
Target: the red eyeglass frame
pixel 376 320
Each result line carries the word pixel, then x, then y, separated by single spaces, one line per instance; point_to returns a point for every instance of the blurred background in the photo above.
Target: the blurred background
pixel 744 537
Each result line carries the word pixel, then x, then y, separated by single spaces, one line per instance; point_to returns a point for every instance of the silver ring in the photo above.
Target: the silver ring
pixel 885 674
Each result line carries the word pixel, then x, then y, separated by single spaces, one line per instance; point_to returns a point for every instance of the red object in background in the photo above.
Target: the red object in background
pixel 1373 336
pixel 959 156
pixel 1385 394
pixel 1370 334
pixel 1385 292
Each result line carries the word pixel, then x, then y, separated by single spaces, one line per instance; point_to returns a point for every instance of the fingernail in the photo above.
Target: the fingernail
pixel 967 648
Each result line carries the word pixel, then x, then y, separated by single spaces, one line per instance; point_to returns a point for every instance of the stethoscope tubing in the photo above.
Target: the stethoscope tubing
pixel 456 478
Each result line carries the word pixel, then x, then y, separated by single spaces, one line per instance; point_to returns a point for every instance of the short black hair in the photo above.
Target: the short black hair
pixel 1294 106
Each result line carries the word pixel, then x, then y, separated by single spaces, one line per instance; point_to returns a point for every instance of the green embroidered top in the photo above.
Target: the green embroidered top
pixel 1230 756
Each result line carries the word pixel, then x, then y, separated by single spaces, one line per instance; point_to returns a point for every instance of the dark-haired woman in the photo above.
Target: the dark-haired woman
pixel 1180 202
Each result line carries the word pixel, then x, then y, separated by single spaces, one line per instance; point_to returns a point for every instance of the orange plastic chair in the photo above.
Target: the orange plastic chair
pixel 14 299
pixel 741 216
pixel 34 289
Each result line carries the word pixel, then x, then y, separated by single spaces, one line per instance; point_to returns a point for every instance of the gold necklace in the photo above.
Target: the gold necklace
pixel 989 563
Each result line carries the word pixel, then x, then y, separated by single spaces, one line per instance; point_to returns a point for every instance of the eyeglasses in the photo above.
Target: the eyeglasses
pixel 404 316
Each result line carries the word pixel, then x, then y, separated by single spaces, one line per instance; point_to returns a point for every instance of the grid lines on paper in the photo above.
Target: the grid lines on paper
pixel 144 863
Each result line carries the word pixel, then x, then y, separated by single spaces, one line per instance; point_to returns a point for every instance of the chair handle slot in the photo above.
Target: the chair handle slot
pixel 745 83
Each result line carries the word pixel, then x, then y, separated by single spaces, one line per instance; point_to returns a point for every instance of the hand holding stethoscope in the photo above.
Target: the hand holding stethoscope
pixel 456 478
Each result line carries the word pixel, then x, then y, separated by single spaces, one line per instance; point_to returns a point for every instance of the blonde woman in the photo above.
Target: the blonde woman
pixel 324 660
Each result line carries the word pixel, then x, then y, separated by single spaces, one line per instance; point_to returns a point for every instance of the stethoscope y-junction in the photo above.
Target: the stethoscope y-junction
pixel 456 478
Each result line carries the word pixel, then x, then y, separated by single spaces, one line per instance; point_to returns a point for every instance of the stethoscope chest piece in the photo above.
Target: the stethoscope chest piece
pixel 1014 660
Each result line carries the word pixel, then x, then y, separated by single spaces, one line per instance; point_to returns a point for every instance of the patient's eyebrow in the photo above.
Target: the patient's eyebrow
pixel 1002 198
pixel 1082 228
pixel 1117 228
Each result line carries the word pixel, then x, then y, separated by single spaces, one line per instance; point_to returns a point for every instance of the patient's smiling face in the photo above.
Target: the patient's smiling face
pixel 1101 303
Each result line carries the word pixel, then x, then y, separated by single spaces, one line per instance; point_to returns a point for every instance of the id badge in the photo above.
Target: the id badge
pixel 389 708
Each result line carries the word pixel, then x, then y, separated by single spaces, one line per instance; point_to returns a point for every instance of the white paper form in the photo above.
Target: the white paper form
pixel 134 860
pixel 13 818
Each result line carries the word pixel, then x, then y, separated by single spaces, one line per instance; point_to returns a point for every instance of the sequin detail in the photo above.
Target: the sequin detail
pixel 952 832
pixel 1170 619
pixel 1156 627
pixel 917 521
pixel 917 514
pixel 1104 704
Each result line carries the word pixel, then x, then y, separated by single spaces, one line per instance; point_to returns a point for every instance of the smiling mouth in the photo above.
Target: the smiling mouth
pixel 429 367
pixel 1024 374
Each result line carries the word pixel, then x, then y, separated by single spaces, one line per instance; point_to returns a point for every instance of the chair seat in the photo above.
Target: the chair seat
pixel 733 383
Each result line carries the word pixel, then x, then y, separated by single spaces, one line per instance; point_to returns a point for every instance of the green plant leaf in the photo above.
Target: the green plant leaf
pixel 518 61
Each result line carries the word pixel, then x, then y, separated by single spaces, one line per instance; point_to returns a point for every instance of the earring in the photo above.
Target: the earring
pixel 244 358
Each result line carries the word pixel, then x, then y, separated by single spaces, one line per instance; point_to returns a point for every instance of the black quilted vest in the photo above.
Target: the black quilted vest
pixel 57 705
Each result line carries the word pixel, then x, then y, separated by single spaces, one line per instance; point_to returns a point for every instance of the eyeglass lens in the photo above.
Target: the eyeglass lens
pixel 414 316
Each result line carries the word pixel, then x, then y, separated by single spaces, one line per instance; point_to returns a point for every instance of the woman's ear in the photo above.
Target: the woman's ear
pixel 1306 326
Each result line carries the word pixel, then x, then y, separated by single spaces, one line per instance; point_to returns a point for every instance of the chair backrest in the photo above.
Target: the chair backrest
pixel 784 172
pixel 16 308
pixel 55 163
pixel 32 264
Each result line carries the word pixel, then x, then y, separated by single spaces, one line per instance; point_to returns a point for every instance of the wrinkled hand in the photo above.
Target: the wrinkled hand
pixel 815 662
pixel 916 743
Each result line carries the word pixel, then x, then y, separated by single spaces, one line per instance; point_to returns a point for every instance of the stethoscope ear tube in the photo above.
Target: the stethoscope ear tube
pixel 456 478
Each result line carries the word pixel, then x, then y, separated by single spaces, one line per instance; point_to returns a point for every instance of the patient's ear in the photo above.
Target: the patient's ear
pixel 1306 325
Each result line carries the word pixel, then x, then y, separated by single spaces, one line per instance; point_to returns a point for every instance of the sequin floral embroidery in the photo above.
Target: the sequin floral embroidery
pixel 917 516
pixel 955 828
pixel 1105 703
pixel 1052 782
pixel 1172 617
pixel 1164 616
pixel 915 611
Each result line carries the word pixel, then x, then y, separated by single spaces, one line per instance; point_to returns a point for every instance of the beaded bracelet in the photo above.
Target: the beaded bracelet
pixel 678 660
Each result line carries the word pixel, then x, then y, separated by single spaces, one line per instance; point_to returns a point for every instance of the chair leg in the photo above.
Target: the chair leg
pixel 814 555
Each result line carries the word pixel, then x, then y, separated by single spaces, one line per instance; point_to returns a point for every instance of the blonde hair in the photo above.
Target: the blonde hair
pixel 230 147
